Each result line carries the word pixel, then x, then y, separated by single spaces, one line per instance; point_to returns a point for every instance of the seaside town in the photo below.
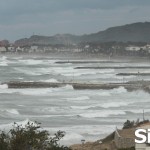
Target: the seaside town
pixel 105 79
pixel 109 48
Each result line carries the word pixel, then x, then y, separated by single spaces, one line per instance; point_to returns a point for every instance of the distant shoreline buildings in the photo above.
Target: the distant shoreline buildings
pixel 127 40
pixel 108 48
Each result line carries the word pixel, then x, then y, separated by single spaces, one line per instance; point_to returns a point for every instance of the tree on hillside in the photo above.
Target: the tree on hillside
pixel 128 124
pixel 30 137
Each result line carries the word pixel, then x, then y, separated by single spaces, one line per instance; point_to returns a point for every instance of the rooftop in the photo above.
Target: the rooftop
pixel 127 133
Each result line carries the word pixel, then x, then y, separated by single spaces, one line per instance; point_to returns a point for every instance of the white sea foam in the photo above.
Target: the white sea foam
pixel 42 91
pixel 9 112
pixel 105 105
pixel 50 80
pixel 12 111
pixel 70 71
pixel 3 58
pixel 107 93
pixel 17 58
pixel 81 107
pixel 20 78
pixel 67 71
pixel 28 71
pixel 102 113
pixel 78 98
pixel 115 104
pixel 31 62
pixel 7 127
pixel 35 92
pixel 52 61
pixel 21 105
pixel 103 93
pixel 103 71
pixel 55 108
pixel 32 92
pixel 124 77
pixel 71 138
pixel 140 111
pixel 119 90
pixel 91 129
pixel 3 63
pixel 74 134
pixel 68 87
pixel 3 86
pixel 25 122
pixel 108 104
pixel 77 73
pixel 71 74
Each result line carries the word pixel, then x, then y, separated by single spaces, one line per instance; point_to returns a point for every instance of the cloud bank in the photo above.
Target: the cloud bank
pixel 22 18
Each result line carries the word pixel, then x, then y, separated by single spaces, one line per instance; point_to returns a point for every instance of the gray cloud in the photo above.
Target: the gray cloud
pixel 19 18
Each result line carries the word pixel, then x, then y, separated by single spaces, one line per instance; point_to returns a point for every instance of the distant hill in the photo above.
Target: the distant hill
pixel 136 32
pixel 46 40
pixel 132 32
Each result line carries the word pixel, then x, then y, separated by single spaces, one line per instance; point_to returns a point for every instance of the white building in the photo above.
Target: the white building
pixel 11 48
pixel 34 48
pixel 87 46
pixel 19 49
pixel 133 48
pixel 148 46
pixel 2 49
pixel 47 49
pixel 76 50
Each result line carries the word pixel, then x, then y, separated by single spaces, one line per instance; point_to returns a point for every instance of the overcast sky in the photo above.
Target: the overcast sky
pixel 23 18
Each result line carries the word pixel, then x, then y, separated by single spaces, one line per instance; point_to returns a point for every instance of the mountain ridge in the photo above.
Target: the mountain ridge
pixel 135 32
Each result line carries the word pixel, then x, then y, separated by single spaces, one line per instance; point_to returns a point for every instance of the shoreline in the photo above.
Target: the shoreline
pixel 79 56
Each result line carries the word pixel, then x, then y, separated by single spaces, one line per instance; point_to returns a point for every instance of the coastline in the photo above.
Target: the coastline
pixel 79 56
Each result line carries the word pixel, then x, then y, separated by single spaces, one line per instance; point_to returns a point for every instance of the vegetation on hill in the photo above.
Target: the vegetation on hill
pixel 131 124
pixel 30 137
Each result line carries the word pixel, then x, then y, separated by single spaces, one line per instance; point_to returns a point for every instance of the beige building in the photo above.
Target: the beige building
pixel 124 138
pixel 2 49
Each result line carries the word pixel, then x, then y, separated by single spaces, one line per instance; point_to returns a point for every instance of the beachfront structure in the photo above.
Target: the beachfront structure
pixel 2 49
pixel 34 48
pixel 19 49
pixel 143 146
pixel 133 48
pixel 124 138
pixel 11 49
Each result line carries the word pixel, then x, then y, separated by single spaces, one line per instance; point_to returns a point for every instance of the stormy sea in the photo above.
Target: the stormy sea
pixel 82 114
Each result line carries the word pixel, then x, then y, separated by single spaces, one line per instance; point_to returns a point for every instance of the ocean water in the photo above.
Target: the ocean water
pixel 82 114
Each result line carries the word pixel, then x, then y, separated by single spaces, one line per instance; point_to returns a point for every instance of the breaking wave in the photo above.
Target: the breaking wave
pixel 103 113
pixel 3 86
pixel 50 80
pixel 78 98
